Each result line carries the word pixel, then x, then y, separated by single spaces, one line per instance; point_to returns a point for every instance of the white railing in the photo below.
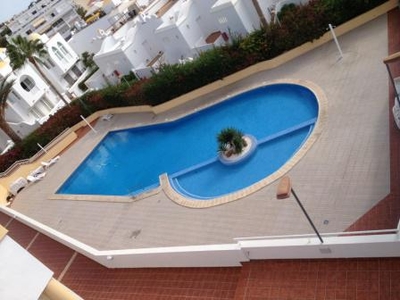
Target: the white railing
pixel 373 243
pixel 345 233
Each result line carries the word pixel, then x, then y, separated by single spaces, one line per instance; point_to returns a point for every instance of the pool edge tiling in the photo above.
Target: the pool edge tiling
pixel 182 200
pixel 187 201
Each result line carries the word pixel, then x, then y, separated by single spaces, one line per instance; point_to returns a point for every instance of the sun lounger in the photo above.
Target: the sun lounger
pixel 49 163
pixel 37 171
pixel 107 117
pixel 36 178
pixel 18 185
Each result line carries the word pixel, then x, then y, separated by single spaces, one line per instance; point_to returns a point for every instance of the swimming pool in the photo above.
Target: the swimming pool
pixel 128 162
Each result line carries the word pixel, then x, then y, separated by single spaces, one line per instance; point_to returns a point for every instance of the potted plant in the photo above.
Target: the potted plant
pixel 231 141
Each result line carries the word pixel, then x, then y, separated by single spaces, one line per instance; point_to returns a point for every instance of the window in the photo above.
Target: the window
pixel 63 49
pixel 37 113
pixel 57 53
pixel 48 63
pixel 14 96
pixel 47 103
pixel 27 83
pixel 68 78
pixel 76 71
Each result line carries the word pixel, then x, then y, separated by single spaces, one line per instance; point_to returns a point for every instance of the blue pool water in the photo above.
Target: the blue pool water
pixel 128 162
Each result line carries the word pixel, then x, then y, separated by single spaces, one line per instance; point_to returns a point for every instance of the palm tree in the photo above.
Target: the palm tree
pixel 231 141
pixel 260 13
pixel 20 50
pixel 81 11
pixel 5 89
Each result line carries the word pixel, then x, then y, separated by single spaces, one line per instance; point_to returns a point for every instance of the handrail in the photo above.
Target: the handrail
pixel 346 233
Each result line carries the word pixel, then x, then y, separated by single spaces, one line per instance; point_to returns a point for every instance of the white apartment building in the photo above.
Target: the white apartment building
pixel 32 101
pixel 63 66
pixel 172 31
pixel 46 17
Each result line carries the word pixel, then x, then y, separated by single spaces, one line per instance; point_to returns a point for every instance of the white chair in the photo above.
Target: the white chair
pixel 37 171
pixel 107 117
pixel 49 163
pixel 18 185
pixel 36 178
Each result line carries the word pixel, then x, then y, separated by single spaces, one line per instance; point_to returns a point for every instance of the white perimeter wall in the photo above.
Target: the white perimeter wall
pixel 234 254
pixel 22 276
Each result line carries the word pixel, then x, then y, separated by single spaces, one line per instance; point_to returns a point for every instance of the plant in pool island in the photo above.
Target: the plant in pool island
pixel 231 141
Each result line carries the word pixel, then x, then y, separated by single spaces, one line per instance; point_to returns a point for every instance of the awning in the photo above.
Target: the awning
pixel 39 22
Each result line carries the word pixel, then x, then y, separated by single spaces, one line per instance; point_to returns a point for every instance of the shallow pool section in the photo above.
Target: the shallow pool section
pixel 129 162
pixel 219 179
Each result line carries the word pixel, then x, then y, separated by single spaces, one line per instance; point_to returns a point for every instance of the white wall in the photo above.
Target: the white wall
pixel 207 23
pixel 146 38
pixel 89 39
pixel 248 15
pixel 174 43
pixel 229 20
pixel 377 244
pixel 112 61
pixel 97 81
pixel 37 92
pixel 24 128
pixel 190 29
pixel 69 59
pixel 22 275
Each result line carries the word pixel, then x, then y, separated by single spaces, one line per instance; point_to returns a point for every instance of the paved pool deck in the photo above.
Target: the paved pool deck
pixel 344 174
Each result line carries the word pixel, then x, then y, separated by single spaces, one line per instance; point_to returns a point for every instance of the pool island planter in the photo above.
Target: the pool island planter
pixel 251 145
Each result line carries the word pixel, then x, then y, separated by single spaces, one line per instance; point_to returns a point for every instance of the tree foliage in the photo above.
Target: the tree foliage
pixel 5 89
pixel 231 140
pixel 20 50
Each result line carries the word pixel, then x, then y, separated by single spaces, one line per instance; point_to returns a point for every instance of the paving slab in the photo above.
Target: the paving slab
pixel 343 175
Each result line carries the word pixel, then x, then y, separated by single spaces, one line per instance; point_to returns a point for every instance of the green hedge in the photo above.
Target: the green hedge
pixel 298 24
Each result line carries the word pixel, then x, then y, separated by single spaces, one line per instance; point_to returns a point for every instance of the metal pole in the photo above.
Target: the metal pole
pixel 40 146
pixel 394 84
pixel 336 40
pixel 307 216
pixel 88 124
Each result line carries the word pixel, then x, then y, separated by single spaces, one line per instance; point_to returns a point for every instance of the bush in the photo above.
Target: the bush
pixel 114 95
pixel 304 22
pixel 340 11
pixel 7 159
pixel 174 80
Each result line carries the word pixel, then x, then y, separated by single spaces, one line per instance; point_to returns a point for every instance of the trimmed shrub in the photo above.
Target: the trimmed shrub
pixel 340 11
